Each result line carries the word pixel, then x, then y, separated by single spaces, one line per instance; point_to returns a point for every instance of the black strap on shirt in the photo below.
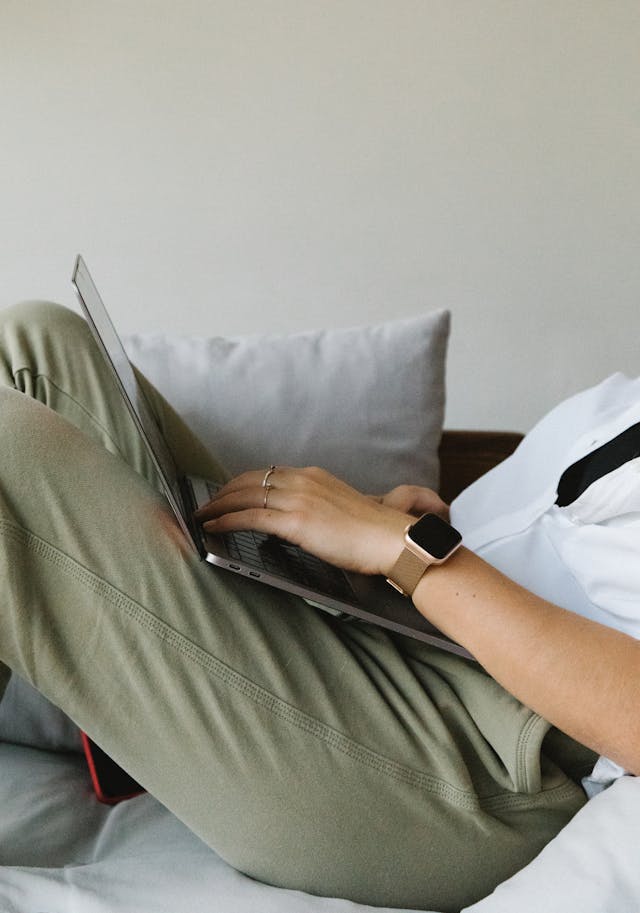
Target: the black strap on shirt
pixel 605 459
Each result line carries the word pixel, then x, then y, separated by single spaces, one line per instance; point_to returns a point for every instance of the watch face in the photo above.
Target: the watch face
pixel 435 536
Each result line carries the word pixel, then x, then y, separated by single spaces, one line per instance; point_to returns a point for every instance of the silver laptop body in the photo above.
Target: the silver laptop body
pixel 263 558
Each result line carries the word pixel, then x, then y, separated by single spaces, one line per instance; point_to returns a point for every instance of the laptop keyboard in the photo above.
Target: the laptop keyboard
pixel 275 556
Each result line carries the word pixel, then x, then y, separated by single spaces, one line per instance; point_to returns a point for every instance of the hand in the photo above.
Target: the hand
pixel 415 500
pixel 316 511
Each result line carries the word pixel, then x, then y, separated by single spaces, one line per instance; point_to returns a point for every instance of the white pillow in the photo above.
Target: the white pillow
pixel 366 403
pixel 592 866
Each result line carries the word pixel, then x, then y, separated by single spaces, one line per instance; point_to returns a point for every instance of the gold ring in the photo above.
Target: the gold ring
pixel 267 474
pixel 267 489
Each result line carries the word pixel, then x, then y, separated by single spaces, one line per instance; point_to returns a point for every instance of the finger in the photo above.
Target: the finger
pixel 251 479
pixel 400 498
pixel 413 499
pixel 276 522
pixel 258 477
pixel 296 479
pixel 247 499
pixel 209 506
pixel 246 480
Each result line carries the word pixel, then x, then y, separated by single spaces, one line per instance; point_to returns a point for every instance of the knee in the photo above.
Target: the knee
pixel 39 317
pixel 32 332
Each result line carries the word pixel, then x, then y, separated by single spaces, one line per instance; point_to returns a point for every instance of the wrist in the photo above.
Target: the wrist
pixel 440 575
pixel 427 542
pixel 446 597
pixel 393 542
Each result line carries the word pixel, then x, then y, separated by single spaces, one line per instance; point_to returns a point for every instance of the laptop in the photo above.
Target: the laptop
pixel 263 558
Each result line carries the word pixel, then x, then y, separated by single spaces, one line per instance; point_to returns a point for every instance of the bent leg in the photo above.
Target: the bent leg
pixel 47 351
pixel 308 753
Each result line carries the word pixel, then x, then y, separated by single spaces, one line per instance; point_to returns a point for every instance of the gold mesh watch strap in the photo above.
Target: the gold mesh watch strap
pixel 407 572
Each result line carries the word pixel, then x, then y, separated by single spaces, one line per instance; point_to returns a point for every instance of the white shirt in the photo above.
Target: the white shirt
pixel 584 557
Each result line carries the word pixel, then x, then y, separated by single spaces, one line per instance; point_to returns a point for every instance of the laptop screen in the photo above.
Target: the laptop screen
pixel 113 351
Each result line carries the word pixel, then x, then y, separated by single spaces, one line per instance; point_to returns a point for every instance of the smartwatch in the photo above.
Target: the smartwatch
pixel 431 540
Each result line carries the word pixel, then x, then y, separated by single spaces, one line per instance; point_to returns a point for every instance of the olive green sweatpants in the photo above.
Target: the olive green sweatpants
pixel 308 752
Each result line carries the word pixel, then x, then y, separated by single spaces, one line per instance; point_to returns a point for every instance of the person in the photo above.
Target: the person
pixel 310 753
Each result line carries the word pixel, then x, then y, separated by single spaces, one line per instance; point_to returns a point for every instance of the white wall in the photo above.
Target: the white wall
pixel 255 165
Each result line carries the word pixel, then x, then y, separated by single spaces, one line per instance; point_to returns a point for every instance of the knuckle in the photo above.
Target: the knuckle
pixel 401 495
pixel 316 474
pixel 313 471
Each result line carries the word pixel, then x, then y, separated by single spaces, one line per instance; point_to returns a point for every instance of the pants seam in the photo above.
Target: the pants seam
pixel 529 729
pixel 257 693
pixel 104 430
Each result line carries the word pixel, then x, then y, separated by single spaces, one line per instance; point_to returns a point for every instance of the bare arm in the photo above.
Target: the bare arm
pixel 581 676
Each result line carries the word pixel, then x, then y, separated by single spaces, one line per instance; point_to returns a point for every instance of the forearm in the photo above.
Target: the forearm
pixel 581 676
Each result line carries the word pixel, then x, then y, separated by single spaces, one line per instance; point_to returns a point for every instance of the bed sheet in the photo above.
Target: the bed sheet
pixel 63 852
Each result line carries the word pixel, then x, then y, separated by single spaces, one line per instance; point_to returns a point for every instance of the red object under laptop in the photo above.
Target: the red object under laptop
pixel 111 783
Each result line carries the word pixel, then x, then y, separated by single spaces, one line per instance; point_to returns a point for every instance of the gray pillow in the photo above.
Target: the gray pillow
pixel 365 403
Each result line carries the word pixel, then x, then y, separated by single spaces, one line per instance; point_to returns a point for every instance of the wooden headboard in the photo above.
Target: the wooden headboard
pixel 467 455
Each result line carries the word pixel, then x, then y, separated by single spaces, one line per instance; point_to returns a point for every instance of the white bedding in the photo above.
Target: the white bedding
pixel 63 852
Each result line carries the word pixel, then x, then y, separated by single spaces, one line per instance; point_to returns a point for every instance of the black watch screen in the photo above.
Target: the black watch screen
pixel 435 535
